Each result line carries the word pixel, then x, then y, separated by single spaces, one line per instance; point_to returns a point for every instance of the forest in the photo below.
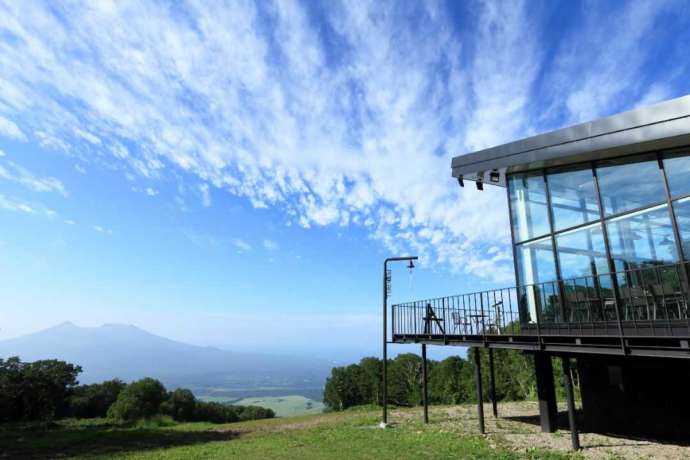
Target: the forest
pixel 450 381
pixel 48 390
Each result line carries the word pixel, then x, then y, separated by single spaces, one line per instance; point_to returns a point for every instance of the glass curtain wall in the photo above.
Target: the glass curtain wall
pixel 563 219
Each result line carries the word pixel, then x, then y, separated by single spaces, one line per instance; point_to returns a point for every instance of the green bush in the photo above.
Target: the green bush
pixel 181 405
pixel 140 399
pixel 89 401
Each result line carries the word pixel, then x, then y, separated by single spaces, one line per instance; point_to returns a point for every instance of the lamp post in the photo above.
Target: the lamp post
pixel 386 280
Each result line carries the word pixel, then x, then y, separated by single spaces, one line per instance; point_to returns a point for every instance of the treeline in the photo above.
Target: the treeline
pixel 450 381
pixel 48 389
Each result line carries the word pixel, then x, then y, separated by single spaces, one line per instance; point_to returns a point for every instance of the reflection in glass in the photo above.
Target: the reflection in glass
pixel 642 239
pixel 682 210
pixel 582 252
pixel 535 265
pixel 573 198
pixel 528 206
pixel 678 173
pixel 626 186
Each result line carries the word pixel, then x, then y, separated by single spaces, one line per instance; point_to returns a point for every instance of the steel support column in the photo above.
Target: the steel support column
pixel 568 381
pixel 478 379
pixel 425 394
pixel 492 383
pixel 546 392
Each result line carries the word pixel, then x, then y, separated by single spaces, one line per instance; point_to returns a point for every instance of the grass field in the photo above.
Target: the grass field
pixel 285 406
pixel 349 435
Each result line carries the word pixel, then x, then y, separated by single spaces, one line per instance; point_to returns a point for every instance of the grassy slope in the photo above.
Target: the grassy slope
pixel 349 435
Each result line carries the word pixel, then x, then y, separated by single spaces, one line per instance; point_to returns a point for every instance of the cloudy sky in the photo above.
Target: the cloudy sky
pixel 223 172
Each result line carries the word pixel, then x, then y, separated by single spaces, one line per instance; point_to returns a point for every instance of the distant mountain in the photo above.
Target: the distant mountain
pixel 129 353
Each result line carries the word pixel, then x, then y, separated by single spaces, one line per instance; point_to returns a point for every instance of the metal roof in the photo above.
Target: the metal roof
pixel 660 126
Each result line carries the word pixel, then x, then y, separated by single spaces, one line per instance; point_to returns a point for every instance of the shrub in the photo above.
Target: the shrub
pixel 215 412
pixel 181 405
pixel 140 399
pixel 88 401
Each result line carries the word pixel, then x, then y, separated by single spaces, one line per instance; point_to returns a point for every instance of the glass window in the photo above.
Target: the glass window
pixel 678 173
pixel 535 262
pixel 528 206
pixel 642 239
pixel 582 252
pixel 573 198
pixel 626 186
pixel 682 210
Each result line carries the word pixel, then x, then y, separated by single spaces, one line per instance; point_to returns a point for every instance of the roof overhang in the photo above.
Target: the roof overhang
pixel 661 126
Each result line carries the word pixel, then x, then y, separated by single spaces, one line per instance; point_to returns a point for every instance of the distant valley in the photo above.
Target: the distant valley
pixel 130 353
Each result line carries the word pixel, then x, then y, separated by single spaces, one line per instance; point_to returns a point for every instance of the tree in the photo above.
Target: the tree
pixel 139 399
pixel 405 382
pixel 369 383
pixel 94 400
pixel 445 381
pixel 35 391
pixel 181 405
pixel 341 389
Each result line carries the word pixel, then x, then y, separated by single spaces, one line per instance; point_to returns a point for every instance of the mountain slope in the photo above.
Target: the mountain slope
pixel 127 352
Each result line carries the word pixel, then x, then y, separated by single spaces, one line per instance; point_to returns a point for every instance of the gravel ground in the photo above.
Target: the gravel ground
pixel 517 428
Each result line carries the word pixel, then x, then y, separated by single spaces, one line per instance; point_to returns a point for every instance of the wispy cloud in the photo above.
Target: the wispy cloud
pixel 241 245
pixel 9 129
pixel 205 195
pixel 16 205
pixel 151 192
pixel 351 120
pixel 20 175
pixel 101 229
pixel 271 245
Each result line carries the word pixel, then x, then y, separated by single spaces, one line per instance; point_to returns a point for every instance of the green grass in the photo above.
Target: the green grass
pixel 348 435
pixel 285 406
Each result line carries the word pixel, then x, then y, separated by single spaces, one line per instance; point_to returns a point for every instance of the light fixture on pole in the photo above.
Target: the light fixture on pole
pixel 386 290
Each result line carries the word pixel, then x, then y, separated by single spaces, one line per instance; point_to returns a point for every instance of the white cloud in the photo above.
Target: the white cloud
pixel 10 129
pixel 10 204
pixel 80 169
pixel 241 245
pixel 151 192
pixel 101 229
pixel 205 195
pixel 2 154
pixel 270 245
pixel 20 175
pixel 354 128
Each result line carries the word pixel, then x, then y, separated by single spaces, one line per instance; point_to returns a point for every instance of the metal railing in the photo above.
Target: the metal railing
pixel 643 300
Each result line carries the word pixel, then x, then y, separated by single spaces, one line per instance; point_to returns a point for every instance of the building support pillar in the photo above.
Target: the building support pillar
pixel 569 394
pixel 546 392
pixel 425 394
pixel 492 383
pixel 478 379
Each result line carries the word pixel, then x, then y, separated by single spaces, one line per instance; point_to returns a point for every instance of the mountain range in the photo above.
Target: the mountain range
pixel 128 352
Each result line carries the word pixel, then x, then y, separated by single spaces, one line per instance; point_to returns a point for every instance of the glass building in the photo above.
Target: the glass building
pixel 600 227
pixel 590 236
pixel 599 219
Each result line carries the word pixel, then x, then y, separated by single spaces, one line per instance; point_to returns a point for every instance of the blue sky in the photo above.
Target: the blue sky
pixel 218 173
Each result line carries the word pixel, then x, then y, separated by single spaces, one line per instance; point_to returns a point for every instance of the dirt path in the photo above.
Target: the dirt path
pixel 517 429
